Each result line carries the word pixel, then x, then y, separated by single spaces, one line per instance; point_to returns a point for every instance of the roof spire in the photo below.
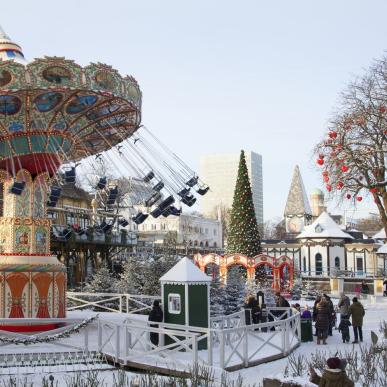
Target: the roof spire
pixel 297 202
pixel 10 50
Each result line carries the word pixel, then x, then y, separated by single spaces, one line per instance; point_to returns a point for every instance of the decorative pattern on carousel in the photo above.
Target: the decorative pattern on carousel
pixel 277 265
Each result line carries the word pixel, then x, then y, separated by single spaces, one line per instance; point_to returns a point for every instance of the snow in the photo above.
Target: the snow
pixel 323 227
pixel 380 235
pixel 185 271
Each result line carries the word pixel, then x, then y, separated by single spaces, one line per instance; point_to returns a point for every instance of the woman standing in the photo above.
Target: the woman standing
pixel 323 318
pixel 356 310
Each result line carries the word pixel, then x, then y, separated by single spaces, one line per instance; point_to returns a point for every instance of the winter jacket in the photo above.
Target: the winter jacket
pixel 282 302
pixel 344 304
pixel 323 316
pixel 306 314
pixel 365 289
pixel 156 314
pixel 333 378
pixel 344 325
pixel 357 313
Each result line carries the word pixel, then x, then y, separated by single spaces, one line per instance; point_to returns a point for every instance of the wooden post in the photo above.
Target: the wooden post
pixel 221 349
pixel 194 349
pixel 86 342
pixel 99 335
pixel 209 346
pixel 120 303
pixel 245 347
pixel 118 342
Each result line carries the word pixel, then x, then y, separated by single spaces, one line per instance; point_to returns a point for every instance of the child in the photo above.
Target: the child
pixel 344 328
pixel 306 313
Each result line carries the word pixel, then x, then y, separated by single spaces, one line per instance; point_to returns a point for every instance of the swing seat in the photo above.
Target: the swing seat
pixel 183 192
pixel 192 181
pixel 158 187
pixel 70 175
pixel 139 218
pixel 175 211
pixel 166 203
pixel 17 187
pixel 123 222
pixel 148 177
pixel 102 183
pixel 203 191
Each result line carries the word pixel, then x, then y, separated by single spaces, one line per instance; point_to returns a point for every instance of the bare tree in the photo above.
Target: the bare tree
pixel 370 225
pixel 353 154
pixel 274 229
pixel 222 213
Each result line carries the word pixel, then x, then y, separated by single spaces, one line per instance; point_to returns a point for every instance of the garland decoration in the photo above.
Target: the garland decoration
pixel 48 339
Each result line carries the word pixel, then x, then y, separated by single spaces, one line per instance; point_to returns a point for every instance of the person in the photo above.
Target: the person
pixel 263 316
pixel 333 376
pixel 343 305
pixel 281 301
pixel 323 319
pixel 332 314
pixel 314 315
pixel 385 287
pixel 248 309
pixel 356 311
pixel 156 314
pixel 364 289
pixel 344 328
pixel 297 307
pixel 306 313
pixel 357 290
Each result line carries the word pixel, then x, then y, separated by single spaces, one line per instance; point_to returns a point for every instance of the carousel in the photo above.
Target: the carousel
pixel 58 121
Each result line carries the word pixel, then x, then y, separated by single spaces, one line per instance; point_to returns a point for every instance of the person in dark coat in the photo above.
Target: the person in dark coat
pixel 364 288
pixel 314 311
pixel 248 310
pixel 156 315
pixel 332 314
pixel 344 328
pixel 385 288
pixel 263 316
pixel 322 320
pixel 356 311
pixel 281 301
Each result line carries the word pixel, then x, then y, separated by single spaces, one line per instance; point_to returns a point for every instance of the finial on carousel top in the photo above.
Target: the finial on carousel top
pixel 10 50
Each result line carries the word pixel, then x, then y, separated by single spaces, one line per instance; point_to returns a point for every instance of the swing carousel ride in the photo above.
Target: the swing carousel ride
pixel 58 119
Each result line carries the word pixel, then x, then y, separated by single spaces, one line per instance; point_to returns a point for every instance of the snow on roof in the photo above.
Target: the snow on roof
pixel 382 249
pixel 380 235
pixel 324 227
pixel 185 271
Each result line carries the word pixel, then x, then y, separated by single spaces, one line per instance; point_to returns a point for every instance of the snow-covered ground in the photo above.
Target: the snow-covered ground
pixel 375 314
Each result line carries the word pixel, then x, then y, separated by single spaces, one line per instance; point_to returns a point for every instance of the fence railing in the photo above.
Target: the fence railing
pixel 110 302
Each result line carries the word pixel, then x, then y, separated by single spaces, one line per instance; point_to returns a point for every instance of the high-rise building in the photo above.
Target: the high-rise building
pixel 220 171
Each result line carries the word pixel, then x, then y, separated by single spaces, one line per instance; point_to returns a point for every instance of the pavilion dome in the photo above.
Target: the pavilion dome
pixel 317 192
pixel 9 50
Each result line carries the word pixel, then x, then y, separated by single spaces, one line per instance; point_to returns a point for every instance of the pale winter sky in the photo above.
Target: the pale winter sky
pixel 220 75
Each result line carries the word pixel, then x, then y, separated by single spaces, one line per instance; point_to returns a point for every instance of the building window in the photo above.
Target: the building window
pixel 215 245
pixel 337 263
pixel 174 303
pixel 163 226
pixel 359 265
pixel 214 231
pixel 206 231
pixel 153 227
pixel 318 262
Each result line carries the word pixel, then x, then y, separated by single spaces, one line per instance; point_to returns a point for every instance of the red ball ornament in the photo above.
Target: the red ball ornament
pixel 359 198
pixel 325 173
pixel 382 109
pixel 328 187
pixel 326 179
pixel 373 190
pixel 320 162
pixel 332 134
pixel 344 168
pixel 340 185
pixel 348 196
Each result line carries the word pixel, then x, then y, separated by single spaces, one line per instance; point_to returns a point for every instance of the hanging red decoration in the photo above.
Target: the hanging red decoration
pixel 348 196
pixel 340 185
pixel 325 173
pixel 320 161
pixel 332 134
pixel 328 187
pixel 326 179
pixel 344 168
pixel 382 109
pixel 373 190
pixel 359 198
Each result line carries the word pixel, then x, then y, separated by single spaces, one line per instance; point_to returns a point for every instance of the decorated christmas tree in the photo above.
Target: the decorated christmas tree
pixel 243 236
pixel 235 292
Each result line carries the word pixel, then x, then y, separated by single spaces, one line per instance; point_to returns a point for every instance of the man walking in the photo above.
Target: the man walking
pixel 343 305
pixel 356 311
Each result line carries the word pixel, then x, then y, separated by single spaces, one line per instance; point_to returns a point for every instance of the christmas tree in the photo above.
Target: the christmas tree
pixel 243 236
pixel 235 290
pixel 217 296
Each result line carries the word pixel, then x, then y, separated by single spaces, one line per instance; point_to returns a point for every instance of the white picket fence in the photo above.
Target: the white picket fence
pixel 228 344
pixel 110 302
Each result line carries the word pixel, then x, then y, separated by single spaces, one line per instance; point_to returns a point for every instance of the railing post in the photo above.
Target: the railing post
pixel 99 325
pixel 299 327
pixel 221 349
pixel 86 342
pixel 127 341
pixel 209 347
pixel 194 350
pixel 287 332
pixel 127 303
pixel 120 303
pixel 283 332
pixel 117 343
pixel 245 347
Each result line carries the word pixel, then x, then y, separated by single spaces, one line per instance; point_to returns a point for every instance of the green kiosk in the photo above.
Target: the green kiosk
pixel 185 291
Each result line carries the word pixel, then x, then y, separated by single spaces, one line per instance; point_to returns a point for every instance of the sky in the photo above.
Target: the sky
pixel 218 75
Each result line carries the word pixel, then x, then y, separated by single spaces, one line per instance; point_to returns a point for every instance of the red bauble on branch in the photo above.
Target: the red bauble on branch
pixel 359 198
pixel 332 134
pixel 344 168
pixel 325 173
pixel 348 196
pixel 382 109
pixel 328 187
pixel 340 185
pixel 373 190
pixel 326 179
pixel 320 161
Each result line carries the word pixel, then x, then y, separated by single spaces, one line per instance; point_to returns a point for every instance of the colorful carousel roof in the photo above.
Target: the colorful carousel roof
pixel 53 111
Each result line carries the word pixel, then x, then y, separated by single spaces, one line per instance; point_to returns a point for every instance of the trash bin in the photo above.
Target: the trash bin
pixel 306 330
